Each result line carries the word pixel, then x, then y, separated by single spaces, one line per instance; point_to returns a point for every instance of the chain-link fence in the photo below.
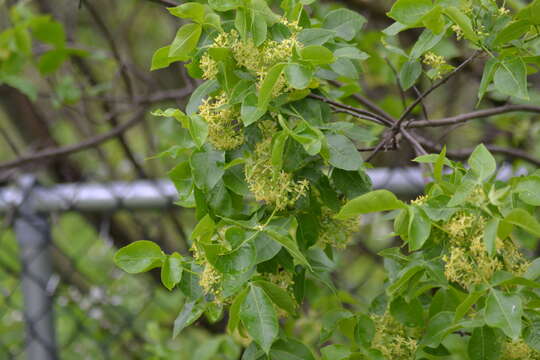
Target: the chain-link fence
pixel 62 296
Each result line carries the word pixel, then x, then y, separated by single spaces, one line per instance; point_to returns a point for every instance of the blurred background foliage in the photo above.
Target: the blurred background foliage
pixel 71 71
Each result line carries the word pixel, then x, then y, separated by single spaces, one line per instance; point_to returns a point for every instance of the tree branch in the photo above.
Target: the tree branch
pixel 70 149
pixel 473 115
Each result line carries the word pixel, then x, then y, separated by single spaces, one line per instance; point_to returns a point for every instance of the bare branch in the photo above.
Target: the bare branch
pixel 473 115
pixel 70 149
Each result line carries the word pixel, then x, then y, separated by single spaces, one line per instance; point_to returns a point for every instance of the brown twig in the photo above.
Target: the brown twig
pixel 473 115
pixel 70 149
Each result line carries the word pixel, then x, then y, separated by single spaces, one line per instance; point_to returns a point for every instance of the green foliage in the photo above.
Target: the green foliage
pixel 278 185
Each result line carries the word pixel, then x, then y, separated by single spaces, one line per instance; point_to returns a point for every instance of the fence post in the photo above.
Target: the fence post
pixel 34 238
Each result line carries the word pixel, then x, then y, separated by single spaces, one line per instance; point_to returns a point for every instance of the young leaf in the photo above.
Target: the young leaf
pixel 461 20
pixel 344 22
pixel 161 58
pixel 278 296
pixel 487 77
pixel 504 312
pixel 259 318
pixel 524 220
pixel 140 256
pixel 234 310
pixel 315 36
pixel 484 344
pixel 190 312
pixel 511 78
pixel 409 73
pixel 375 201
pixel 171 271
pixel 298 75
pixel 419 228
pixel 268 84
pixel 207 167
pixel 482 162
pixel 410 12
pixel 529 190
pixel 185 41
pixel 317 55
pixel 196 99
pixel 290 349
pixel 190 10
pixel 343 153
pixel 490 235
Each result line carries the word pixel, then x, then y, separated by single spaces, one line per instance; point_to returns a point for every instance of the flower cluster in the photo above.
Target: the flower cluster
pixel 393 339
pixel 267 183
pixel 334 232
pixel 518 350
pixel 438 65
pixel 468 262
pixel 225 130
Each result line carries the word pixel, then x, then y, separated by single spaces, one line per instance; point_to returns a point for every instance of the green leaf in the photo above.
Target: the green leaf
pixel 50 32
pixel 512 31
pixel 190 312
pixel 171 271
pixel 234 311
pixel 185 42
pixel 511 78
pixel 331 321
pixel 409 313
pixel 375 201
pixel 409 73
pixel 484 344
pixel 463 21
pixel 487 77
pixel 249 112
pixel 161 58
pixel 425 42
pixel 283 236
pixel 235 262
pixel 317 55
pixel 531 13
pixel 50 61
pixel 469 301
pixel 190 10
pixel 225 5
pixel 410 12
pixel 490 236
pixel 482 162
pixel 290 349
pixel 298 75
pixel 336 352
pixel 140 256
pixel 345 23
pixel 351 183
pixel 279 296
pixel 528 190
pixel 350 52
pixel 438 328
pixel 419 228
pixel 278 146
pixel 198 129
pixel 268 84
pixel 207 167
pixel 315 36
pixel 343 153
pixel 504 312
pixel 365 330
pixel 524 220
pixel 259 318
pixel 196 99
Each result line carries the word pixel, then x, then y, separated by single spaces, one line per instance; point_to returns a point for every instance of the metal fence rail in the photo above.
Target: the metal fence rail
pixel 27 208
